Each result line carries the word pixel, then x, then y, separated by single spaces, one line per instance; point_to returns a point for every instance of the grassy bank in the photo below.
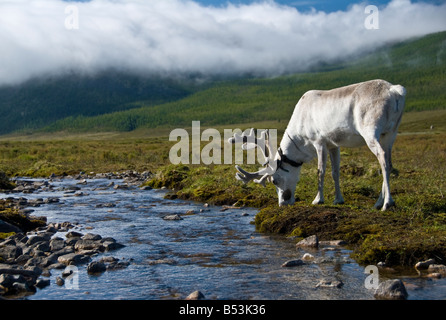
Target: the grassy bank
pixel 414 230
pixel 14 217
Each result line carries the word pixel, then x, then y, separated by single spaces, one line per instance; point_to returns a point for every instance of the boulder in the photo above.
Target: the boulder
pixel 10 252
pixel 43 246
pixel 292 263
pixel 6 227
pixel 196 295
pixel 423 265
pixel 22 288
pixel 333 243
pixel 91 236
pixel 112 245
pixel 6 280
pixel 311 241
pixel 88 245
pixel 16 283
pixel 96 267
pixel 391 290
pixel 437 268
pixel 42 283
pixel 57 244
pixel 36 239
pixel 73 259
pixel 172 217
pixel 73 234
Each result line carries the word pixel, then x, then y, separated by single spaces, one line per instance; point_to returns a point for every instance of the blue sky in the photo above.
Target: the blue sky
pixel 307 5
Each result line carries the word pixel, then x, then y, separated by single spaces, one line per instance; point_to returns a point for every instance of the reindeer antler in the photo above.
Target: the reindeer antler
pixel 251 141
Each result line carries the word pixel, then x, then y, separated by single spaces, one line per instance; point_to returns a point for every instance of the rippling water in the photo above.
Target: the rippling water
pixel 214 251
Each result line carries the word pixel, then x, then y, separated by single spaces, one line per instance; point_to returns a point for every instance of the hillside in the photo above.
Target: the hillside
pixel 40 102
pixel 127 103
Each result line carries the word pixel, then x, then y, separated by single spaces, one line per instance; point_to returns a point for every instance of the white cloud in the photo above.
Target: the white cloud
pixel 177 36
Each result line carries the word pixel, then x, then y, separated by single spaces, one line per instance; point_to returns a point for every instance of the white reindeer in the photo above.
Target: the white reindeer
pixel 322 122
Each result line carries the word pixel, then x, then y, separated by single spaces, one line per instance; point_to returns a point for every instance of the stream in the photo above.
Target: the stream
pixel 216 251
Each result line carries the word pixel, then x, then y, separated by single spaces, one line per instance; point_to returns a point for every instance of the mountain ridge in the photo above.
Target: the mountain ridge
pixel 114 101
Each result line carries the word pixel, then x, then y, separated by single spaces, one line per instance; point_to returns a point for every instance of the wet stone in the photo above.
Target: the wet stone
pixel 172 217
pixel 196 295
pixel 292 263
pixel 96 267
pixel 391 290
pixel 324 283
pixel 311 241
pixel 88 245
pixel 437 268
pixel 73 259
pixel 423 265
pixel 73 234
pixel 60 281
pixel 91 236
pixel 57 244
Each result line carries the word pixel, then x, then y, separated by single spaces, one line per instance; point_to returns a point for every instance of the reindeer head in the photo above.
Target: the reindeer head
pixel 278 169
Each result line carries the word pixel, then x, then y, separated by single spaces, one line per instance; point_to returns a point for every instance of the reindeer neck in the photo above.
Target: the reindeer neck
pixel 294 148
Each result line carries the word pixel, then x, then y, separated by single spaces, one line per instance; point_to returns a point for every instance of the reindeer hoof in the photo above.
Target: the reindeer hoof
pixel 388 205
pixel 379 204
pixel 340 201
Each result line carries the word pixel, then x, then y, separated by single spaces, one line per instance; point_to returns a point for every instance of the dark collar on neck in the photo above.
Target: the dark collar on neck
pixel 284 158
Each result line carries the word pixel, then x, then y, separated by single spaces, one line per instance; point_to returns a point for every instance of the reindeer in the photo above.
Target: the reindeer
pixel 322 122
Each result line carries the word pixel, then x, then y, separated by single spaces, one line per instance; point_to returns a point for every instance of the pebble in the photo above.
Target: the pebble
pixel 308 257
pixel 324 283
pixel 60 281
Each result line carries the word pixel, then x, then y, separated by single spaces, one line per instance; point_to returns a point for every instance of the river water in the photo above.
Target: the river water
pixel 212 250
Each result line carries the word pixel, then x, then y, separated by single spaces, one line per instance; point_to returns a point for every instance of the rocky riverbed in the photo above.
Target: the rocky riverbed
pixel 105 238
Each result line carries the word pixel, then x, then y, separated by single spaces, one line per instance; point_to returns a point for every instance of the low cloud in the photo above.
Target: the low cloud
pixel 40 37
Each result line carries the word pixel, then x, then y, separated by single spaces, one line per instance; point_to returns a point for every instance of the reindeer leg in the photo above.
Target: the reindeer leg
pixel 385 200
pixel 335 158
pixel 321 166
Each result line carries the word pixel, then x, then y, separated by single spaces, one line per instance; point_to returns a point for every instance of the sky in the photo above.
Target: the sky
pixel 208 37
pixel 302 5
